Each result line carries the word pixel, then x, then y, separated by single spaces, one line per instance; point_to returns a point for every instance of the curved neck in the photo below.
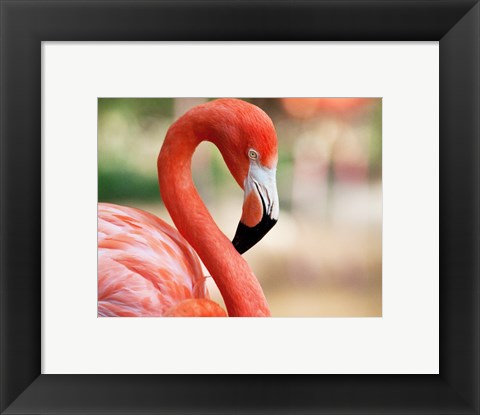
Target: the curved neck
pixel 238 285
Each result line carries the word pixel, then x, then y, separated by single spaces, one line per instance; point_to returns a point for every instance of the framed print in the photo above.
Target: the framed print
pixel 33 33
pixel 350 263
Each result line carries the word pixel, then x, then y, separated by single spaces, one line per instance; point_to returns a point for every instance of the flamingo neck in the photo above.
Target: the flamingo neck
pixel 236 281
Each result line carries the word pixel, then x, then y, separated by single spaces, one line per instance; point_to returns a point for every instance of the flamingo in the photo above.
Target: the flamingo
pixel 148 268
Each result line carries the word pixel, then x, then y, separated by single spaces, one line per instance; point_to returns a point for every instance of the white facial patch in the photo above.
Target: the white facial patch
pixel 263 181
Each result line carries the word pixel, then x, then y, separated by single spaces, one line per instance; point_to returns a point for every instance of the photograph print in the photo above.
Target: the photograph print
pixel 239 207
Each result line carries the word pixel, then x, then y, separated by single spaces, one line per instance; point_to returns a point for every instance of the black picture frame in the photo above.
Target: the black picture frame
pixel 25 24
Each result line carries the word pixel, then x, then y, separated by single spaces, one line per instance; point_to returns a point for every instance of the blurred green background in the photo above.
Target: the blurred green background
pixel 324 257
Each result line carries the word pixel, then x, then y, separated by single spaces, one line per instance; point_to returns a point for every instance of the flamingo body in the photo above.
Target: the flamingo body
pixel 146 268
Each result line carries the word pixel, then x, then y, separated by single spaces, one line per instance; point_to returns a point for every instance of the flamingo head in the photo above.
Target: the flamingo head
pixel 248 143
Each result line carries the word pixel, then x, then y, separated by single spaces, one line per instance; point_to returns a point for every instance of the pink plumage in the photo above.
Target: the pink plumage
pixel 145 267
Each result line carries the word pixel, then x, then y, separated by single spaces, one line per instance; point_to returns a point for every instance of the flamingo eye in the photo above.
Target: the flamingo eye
pixel 252 154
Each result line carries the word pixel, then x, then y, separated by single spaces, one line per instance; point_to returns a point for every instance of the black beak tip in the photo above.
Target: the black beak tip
pixel 246 236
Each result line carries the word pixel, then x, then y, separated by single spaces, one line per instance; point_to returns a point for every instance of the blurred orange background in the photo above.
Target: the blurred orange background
pixel 324 256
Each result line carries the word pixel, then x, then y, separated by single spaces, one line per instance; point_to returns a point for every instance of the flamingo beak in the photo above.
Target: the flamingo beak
pixel 260 208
